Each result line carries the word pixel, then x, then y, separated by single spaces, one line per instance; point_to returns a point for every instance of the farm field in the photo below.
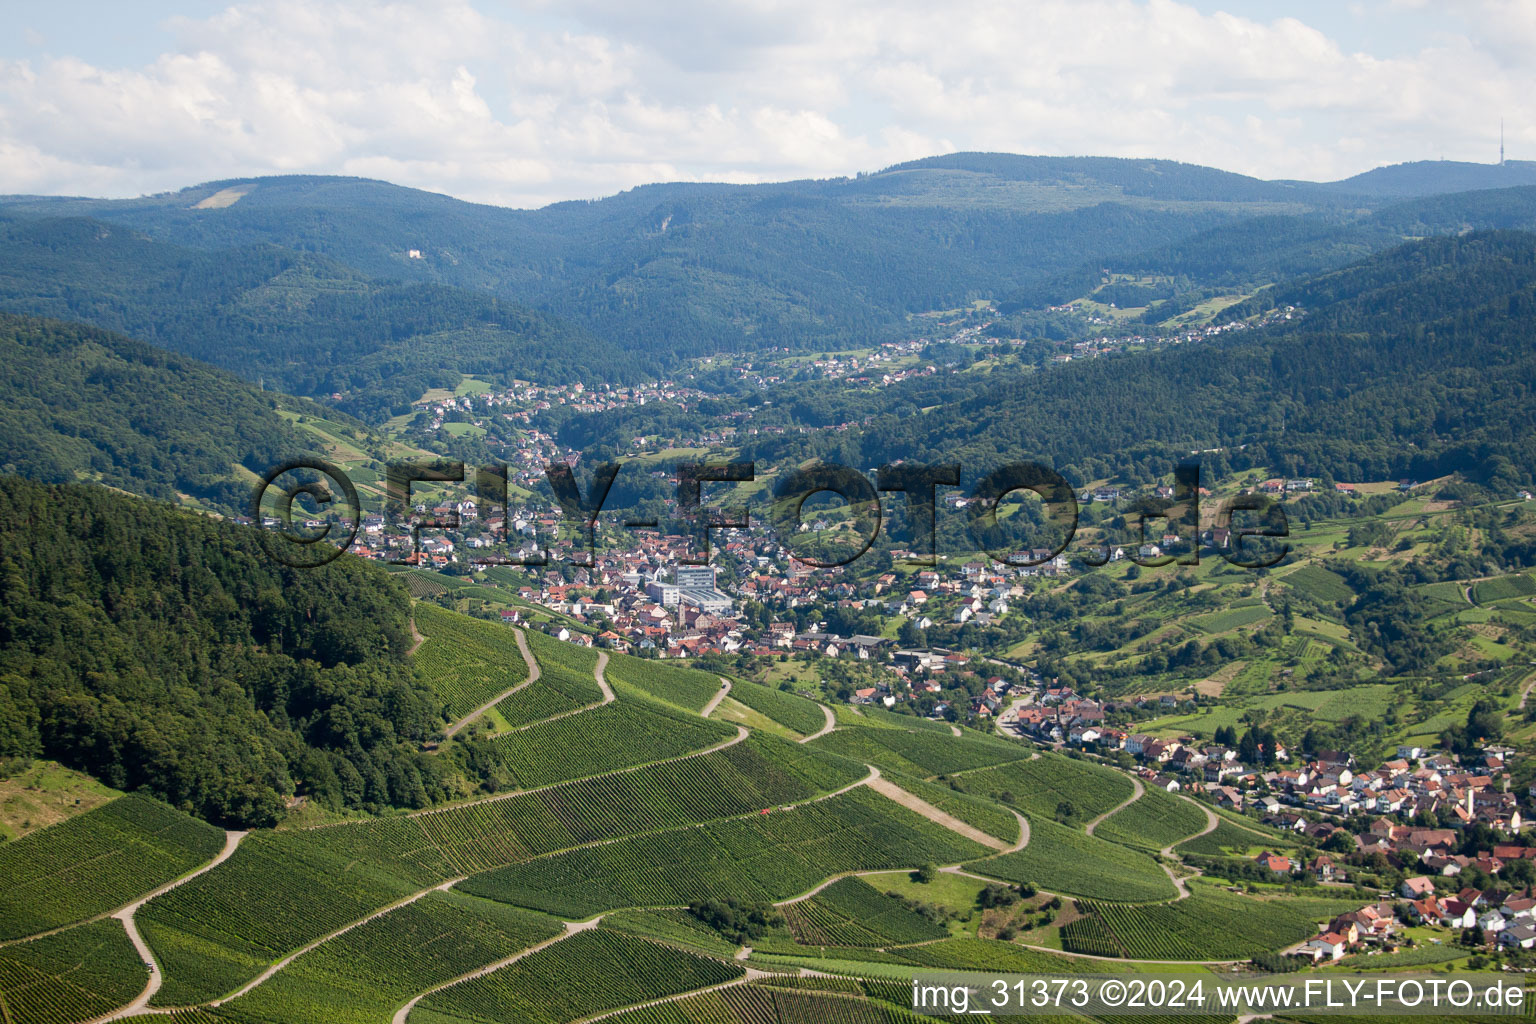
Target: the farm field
pixel 96 862
pixel 284 889
pixel 973 810
pixel 921 752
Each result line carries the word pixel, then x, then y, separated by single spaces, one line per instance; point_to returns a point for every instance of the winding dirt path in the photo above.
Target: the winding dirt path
pixel 1137 792
pixel 125 915
pixel 416 638
pixel 889 789
pixel 533 677
pixel 831 723
pixel 1525 691
pixel 714 702
pixel 753 974
pixel 571 928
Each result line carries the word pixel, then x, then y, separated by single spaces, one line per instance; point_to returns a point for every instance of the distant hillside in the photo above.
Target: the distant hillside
pixel 165 651
pixel 81 403
pixel 291 320
pixel 1434 177
pixel 1416 362
pixel 685 269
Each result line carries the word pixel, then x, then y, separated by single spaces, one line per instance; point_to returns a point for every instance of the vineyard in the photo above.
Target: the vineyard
pixel 283 889
pixel 1226 839
pixel 851 912
pixel 604 739
pixel 665 680
pixel 761 857
pixel 75 975
pixel 1156 820
pixel 921 753
pixel 465 661
pixel 1212 924
pixel 362 976
pixel 1039 787
pixel 572 979
pixel 789 710
pixel 771 1004
pixel 96 862
pixel 673 925
pixel 1503 588
pixel 1065 860
pixel 566 683
pixel 993 820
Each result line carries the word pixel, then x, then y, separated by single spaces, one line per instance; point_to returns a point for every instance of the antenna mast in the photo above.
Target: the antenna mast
pixel 1501 142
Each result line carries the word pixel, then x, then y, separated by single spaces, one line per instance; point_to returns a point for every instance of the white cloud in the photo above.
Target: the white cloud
pixel 528 103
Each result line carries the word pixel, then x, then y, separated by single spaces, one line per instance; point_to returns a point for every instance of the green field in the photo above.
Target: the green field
pixel 1156 820
pixel 466 661
pixel 851 912
pixel 1040 786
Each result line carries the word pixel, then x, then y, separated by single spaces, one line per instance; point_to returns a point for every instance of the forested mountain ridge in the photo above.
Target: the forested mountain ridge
pixel 77 402
pixel 287 319
pixel 688 269
pixel 162 650
pixel 678 270
pixel 1416 362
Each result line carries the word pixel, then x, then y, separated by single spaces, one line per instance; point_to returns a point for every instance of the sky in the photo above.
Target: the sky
pixel 527 102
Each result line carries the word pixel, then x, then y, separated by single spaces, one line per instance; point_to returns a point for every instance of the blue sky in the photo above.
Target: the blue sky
pixel 524 102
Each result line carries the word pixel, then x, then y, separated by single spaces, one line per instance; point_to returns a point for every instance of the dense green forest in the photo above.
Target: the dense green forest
pixel 164 651
pixel 77 402
pixel 1414 363
pixel 290 320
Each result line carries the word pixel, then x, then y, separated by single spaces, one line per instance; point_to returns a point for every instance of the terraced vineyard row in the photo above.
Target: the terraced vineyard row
pixel 764 1004
pixel 362 976
pixel 1220 842
pixel 973 810
pixel 98 861
pixel 665 680
pixel 671 925
pixel 1039 787
pixel 789 710
pixel 1211 925
pixel 1065 860
pixel 851 912
pixel 603 739
pixel 764 857
pixel 284 889
pixel 757 773
pixel 921 753
pixel 574 978
pixel 565 684
pixel 76 975
pixel 465 661
pixel 1156 820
